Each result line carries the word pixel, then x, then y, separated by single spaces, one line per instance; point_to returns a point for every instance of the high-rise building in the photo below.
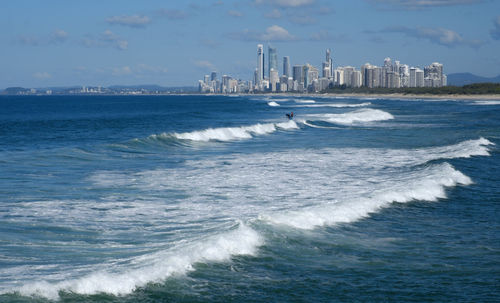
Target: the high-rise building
pixel 273 79
pixel 329 62
pixel 273 60
pixel 286 66
pixel 298 74
pixel 419 75
pixel 260 64
pixel 326 70
pixel 213 76
pixel 433 75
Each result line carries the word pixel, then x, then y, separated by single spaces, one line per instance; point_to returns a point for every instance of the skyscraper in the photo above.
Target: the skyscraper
pixel 273 60
pixel 298 74
pixel 260 64
pixel 286 66
pixel 329 62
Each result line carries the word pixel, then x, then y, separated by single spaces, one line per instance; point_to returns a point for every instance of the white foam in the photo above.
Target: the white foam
pixel 428 185
pixel 152 268
pixel 272 103
pixel 486 102
pixel 234 133
pixel 304 101
pixel 299 188
pixel 357 116
pixel 337 105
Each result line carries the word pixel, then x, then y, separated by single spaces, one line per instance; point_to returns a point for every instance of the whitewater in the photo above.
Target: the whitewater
pixel 192 194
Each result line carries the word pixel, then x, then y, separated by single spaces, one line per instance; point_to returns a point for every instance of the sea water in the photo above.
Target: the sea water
pixel 224 199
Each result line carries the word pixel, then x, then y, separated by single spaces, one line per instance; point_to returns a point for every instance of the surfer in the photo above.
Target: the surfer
pixel 290 115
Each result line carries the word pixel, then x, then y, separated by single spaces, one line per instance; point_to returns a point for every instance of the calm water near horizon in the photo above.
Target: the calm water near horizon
pixel 223 199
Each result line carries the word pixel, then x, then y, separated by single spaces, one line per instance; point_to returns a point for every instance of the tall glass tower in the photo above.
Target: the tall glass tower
pixel 260 64
pixel 273 60
pixel 329 62
pixel 286 66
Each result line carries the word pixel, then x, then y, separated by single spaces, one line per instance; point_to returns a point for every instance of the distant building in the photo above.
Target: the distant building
pixel 260 64
pixel 273 60
pixel 286 66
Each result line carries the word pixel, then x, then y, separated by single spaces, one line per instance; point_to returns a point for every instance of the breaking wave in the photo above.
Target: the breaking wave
pixel 486 102
pixel 154 267
pixel 234 133
pixel 272 103
pixel 357 116
pixel 337 105
pixel 426 185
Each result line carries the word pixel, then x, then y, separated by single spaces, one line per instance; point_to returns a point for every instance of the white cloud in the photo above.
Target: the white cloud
pixel 277 33
pixel 438 35
pixel 286 3
pixel 421 4
pixel 131 21
pixel 172 14
pixel 272 33
pixel 42 75
pixel 148 69
pixel 122 71
pixel 204 64
pixel 59 36
pixel 106 39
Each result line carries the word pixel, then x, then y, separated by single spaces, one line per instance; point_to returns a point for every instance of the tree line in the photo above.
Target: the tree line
pixel 470 89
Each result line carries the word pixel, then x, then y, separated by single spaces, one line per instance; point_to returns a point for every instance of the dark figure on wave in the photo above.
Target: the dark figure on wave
pixel 290 115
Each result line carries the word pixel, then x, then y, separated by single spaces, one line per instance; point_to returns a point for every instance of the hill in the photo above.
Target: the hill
pixel 460 79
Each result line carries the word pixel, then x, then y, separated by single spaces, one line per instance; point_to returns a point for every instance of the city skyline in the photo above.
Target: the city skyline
pixel 308 78
pixel 171 44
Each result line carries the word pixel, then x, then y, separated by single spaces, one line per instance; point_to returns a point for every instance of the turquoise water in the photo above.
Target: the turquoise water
pixel 223 199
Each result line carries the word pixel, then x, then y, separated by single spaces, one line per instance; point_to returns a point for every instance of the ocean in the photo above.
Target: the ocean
pixel 224 199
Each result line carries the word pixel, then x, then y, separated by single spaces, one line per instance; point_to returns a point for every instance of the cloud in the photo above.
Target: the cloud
pixel 57 36
pixel 302 19
pixel 209 43
pixel 495 31
pixel 233 13
pixel 440 36
pixel 106 39
pixel 273 33
pixel 122 71
pixel 131 21
pixel 42 75
pixel 148 69
pixel 109 37
pixel 286 3
pixel 274 14
pixel 324 35
pixel 421 4
pixel 204 64
pixel 172 14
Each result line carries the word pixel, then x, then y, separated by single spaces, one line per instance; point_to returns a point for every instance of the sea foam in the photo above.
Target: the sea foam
pixel 152 268
pixel 357 116
pixel 427 185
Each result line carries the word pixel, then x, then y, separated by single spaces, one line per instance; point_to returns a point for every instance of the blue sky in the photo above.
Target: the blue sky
pixel 174 43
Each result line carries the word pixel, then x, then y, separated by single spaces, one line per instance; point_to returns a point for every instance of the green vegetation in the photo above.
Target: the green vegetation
pixel 470 89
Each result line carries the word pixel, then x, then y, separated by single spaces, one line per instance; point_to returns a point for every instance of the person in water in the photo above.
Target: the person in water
pixel 290 116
